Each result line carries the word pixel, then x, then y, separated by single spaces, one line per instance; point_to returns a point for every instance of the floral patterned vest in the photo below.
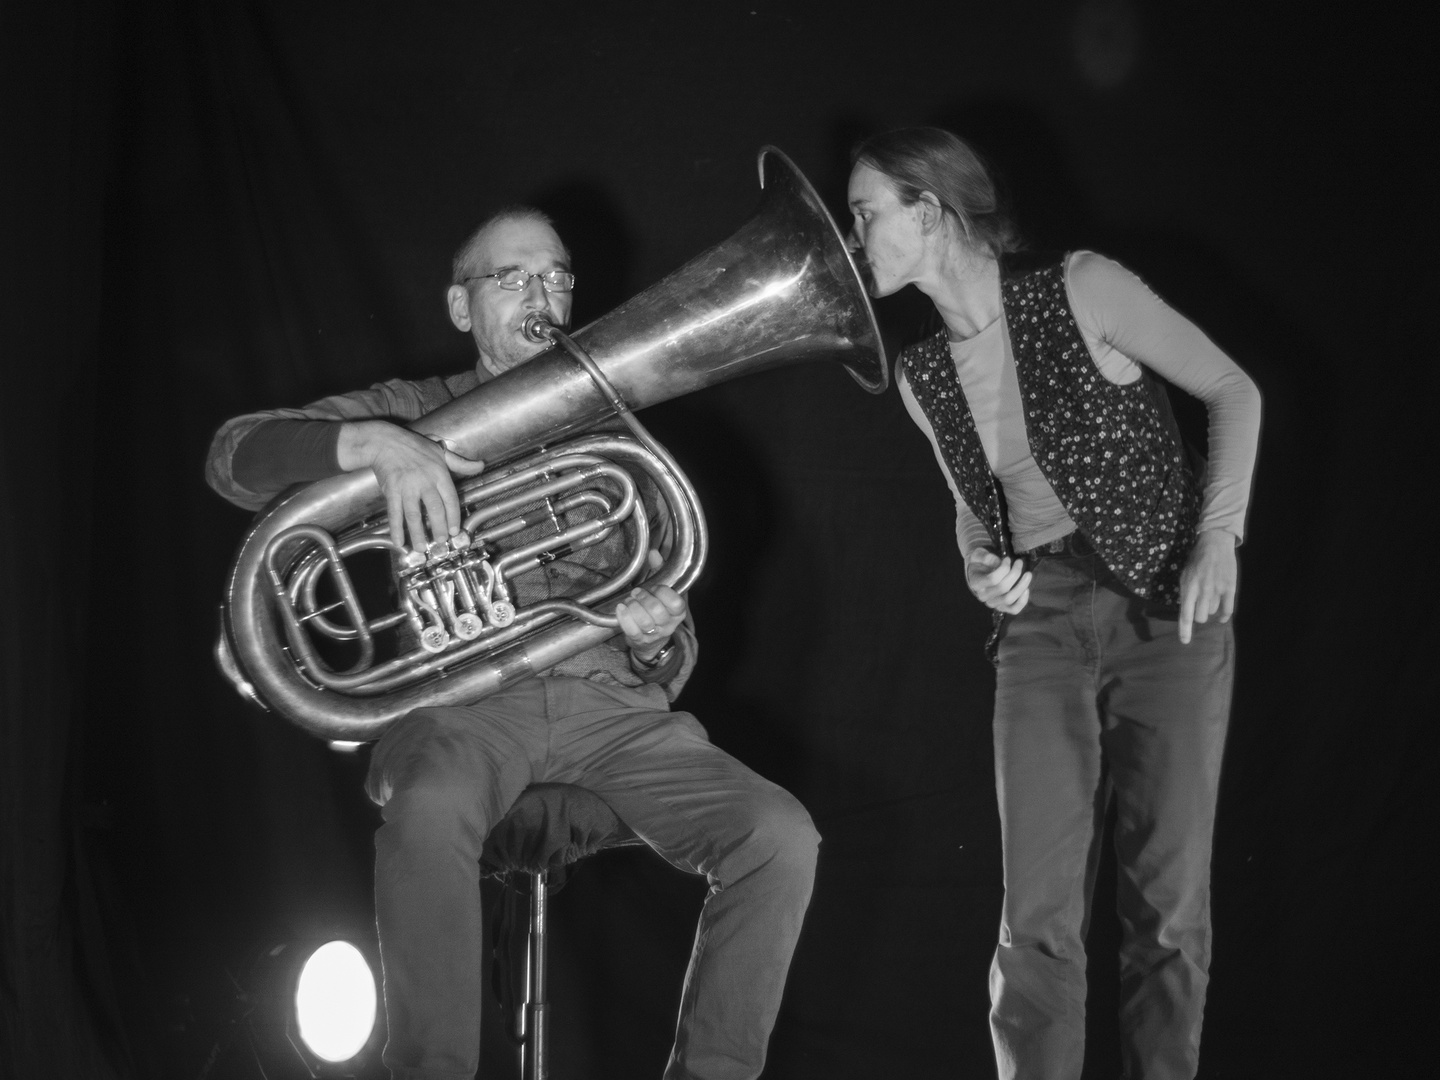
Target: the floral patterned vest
pixel 1112 453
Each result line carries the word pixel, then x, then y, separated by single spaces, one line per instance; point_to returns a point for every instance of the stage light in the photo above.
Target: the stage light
pixel 311 1009
pixel 335 1002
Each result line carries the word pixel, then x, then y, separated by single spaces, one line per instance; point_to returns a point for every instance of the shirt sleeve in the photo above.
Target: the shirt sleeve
pixel 1125 324
pixel 278 453
pixel 970 531
pixel 253 477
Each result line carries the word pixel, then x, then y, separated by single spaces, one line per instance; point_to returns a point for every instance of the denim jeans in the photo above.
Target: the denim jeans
pixel 1097 700
pixel 446 775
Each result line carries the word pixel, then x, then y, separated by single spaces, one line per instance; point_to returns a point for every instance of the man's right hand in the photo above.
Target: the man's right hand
pixel 999 583
pixel 414 474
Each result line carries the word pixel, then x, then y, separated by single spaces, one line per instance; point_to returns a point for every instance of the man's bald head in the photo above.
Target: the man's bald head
pixel 469 259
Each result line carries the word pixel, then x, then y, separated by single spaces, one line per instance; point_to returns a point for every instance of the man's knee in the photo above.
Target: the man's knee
pixel 781 837
pixel 423 776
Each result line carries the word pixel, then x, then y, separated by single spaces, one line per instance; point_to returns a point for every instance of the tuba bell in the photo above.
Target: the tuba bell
pixel 780 290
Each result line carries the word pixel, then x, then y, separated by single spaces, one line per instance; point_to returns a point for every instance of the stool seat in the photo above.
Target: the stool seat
pixel 551 826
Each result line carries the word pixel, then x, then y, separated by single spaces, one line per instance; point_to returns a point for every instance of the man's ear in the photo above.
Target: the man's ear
pixel 931 213
pixel 458 301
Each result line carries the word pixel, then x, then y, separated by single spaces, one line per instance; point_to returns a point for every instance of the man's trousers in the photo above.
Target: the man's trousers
pixel 1097 700
pixel 446 775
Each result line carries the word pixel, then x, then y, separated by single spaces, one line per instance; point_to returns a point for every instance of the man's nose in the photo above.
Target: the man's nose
pixel 536 298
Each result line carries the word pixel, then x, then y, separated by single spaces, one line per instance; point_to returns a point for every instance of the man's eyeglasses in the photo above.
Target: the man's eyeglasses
pixel 518 280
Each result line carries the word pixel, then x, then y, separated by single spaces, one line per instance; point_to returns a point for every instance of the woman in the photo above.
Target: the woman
pixel 1110 568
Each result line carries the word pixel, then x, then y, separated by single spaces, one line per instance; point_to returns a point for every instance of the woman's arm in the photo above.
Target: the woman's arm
pixel 1124 323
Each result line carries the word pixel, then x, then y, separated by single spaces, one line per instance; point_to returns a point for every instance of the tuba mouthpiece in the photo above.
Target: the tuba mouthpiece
pixel 536 327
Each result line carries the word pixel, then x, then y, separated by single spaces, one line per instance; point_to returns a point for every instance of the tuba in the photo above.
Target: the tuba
pixel 296 637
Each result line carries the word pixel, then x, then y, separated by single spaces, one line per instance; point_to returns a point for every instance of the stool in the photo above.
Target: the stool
pixel 550 827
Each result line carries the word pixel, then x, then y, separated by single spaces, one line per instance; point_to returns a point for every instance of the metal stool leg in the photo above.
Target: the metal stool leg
pixel 549 825
pixel 534 1062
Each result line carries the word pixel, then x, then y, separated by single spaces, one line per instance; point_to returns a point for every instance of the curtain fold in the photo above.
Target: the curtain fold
pixel 59 1008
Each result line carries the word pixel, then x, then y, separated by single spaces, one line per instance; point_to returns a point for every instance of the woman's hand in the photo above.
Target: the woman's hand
pixel 999 583
pixel 1209 582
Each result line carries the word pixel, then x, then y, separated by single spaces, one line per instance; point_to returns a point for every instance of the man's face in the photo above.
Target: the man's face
pixel 494 316
pixel 886 233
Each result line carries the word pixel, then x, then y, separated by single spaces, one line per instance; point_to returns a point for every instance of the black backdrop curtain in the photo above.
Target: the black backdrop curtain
pixel 212 208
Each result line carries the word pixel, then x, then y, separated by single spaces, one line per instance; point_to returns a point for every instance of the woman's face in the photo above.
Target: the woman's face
pixel 886 235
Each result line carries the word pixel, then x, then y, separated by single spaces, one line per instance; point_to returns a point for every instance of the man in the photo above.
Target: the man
pixel 1111 571
pixel 602 719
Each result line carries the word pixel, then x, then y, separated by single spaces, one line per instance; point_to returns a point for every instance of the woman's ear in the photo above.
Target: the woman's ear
pixel 932 214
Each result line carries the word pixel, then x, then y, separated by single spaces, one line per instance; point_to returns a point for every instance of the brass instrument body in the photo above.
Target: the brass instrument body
pixel 781 290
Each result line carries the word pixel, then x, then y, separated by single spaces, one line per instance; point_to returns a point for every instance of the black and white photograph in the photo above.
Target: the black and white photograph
pixel 814 541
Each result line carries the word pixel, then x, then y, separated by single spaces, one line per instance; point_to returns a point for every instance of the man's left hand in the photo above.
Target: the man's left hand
pixel 649 616
pixel 1209 581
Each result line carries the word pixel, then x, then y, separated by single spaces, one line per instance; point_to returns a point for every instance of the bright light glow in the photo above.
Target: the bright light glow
pixel 335 1001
